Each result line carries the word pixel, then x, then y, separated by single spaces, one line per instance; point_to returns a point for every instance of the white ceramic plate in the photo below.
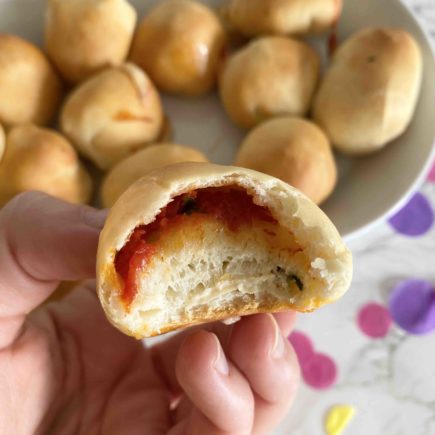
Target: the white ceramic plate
pixel 371 188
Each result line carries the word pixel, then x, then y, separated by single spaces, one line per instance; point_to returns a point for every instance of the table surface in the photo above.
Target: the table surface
pixel 390 381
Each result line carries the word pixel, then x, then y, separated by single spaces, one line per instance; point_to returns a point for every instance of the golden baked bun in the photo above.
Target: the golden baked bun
pixel 85 36
pixel 113 114
pixel 179 44
pixel 294 150
pixel 37 158
pixel 195 242
pixel 30 90
pixel 282 17
pixel 271 76
pixel 369 93
pixel 133 167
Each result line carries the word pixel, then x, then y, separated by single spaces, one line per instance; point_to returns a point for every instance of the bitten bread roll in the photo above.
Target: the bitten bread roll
pixel 141 163
pixel 370 91
pixel 282 17
pixel 196 242
pixel 271 76
pixel 40 159
pixel 85 36
pixel 30 90
pixel 179 44
pixel 112 115
pixel 294 150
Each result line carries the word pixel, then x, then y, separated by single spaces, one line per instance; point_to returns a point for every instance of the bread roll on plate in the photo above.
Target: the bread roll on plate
pixel 133 167
pixel 271 76
pixel 282 17
pixel 369 93
pixel 37 158
pixel 197 242
pixel 85 36
pixel 294 150
pixel 179 44
pixel 30 89
pixel 113 114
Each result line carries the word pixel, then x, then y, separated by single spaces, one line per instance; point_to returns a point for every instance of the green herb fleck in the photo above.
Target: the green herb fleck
pixel 188 206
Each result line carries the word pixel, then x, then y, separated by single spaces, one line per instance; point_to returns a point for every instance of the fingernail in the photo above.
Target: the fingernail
pixel 94 218
pixel 278 347
pixel 220 363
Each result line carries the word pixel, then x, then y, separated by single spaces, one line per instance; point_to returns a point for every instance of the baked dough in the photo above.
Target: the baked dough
pixel 113 114
pixel 85 36
pixel 271 76
pixel 179 44
pixel 294 150
pixel 197 242
pixel 2 142
pixel 282 17
pixel 369 93
pixel 129 170
pixel 37 158
pixel 30 90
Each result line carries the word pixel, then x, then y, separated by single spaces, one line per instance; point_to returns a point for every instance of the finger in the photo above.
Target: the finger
pixel 264 356
pixel 216 388
pixel 42 241
pixel 164 353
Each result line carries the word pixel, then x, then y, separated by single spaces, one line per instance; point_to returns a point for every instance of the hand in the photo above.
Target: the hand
pixel 65 370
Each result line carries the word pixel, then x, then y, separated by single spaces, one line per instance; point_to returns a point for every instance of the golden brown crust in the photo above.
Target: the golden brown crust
pixel 40 159
pixel 113 114
pixel 368 95
pixel 294 150
pixel 30 90
pixel 82 37
pixel 2 142
pixel 142 162
pixel 190 39
pixel 283 17
pixel 139 205
pixel 271 76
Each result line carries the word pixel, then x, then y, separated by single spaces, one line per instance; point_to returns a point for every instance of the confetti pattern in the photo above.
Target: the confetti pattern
pixel 412 306
pixel 415 219
pixel 374 320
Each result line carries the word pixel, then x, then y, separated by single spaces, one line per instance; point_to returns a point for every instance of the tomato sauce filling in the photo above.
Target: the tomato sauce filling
pixel 230 205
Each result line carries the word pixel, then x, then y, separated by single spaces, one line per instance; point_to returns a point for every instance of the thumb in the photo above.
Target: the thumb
pixel 43 240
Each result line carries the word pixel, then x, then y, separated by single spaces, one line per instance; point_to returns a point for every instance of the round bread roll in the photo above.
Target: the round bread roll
pixel 294 150
pixel 141 163
pixel 37 158
pixel 369 93
pixel 195 242
pixel 179 44
pixel 113 114
pixel 271 76
pixel 30 90
pixel 282 17
pixel 85 36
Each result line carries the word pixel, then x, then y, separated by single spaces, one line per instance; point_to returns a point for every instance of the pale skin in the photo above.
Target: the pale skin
pixel 64 369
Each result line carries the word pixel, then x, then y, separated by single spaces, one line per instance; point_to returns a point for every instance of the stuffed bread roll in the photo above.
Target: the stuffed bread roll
pixel 196 242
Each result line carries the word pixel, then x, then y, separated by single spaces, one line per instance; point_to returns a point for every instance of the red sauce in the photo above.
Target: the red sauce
pixel 230 205
pixel 332 41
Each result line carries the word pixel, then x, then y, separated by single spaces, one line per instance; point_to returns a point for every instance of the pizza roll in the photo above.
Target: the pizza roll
pixel 30 90
pixel 37 158
pixel 197 242
pixel 82 37
pixel 179 44
pixel 113 114
pixel 369 93
pixel 129 170
pixel 282 17
pixel 294 150
pixel 271 76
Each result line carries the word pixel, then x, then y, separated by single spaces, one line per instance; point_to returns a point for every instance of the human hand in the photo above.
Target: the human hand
pixel 65 370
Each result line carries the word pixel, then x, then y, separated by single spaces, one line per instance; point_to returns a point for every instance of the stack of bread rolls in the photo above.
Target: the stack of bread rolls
pixel 99 81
